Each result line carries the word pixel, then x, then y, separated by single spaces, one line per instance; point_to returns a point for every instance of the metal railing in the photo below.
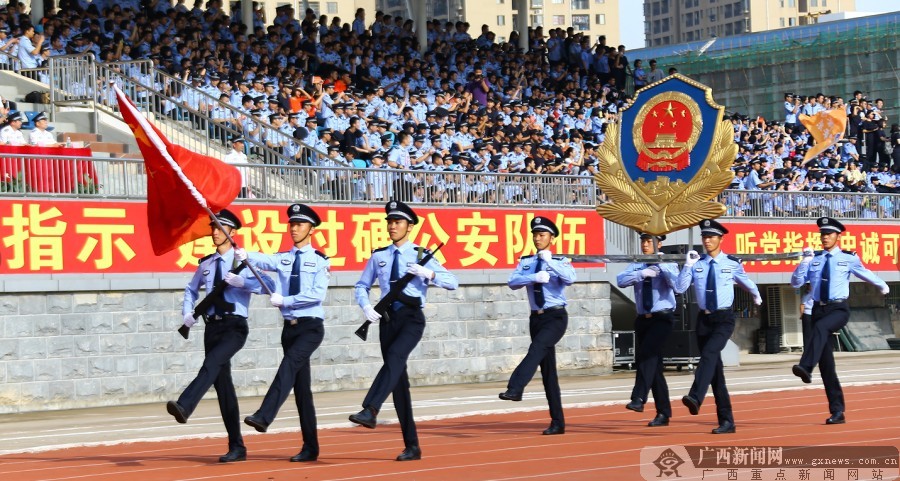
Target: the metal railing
pixel 125 178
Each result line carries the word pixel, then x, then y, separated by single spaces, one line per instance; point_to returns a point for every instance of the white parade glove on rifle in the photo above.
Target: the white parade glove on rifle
pixel 189 320
pixel 371 314
pixel 691 259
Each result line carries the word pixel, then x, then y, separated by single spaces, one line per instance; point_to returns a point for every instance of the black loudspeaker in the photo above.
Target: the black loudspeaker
pixel 681 344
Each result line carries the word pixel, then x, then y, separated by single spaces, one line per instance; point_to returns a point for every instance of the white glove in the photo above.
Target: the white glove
pixel 807 255
pixel 233 279
pixel 885 291
pixel 651 271
pixel 542 277
pixel 371 314
pixel 240 254
pixel 691 259
pixel 421 271
pixel 277 300
pixel 189 320
pixel 545 255
pixel 757 299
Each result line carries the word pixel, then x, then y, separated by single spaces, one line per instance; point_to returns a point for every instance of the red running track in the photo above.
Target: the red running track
pixel 600 443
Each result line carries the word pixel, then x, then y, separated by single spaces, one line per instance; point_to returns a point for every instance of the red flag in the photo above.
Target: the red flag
pixel 181 184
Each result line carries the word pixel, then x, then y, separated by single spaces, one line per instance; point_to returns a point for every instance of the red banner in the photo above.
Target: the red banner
pixel 876 244
pixel 54 236
pixel 62 176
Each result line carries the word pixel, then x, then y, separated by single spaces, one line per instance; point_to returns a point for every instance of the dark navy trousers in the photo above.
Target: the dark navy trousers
pixel 826 320
pixel 299 342
pixel 546 330
pixel 650 335
pixel 398 338
pixel 222 339
pixel 713 331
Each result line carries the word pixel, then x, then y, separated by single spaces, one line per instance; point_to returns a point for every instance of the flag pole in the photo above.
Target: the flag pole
pixel 234 245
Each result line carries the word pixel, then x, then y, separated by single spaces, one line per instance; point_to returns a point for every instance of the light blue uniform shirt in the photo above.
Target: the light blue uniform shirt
pixel 315 271
pixel 729 271
pixel 663 285
pixel 206 275
pixel 561 272
pixel 842 264
pixel 379 268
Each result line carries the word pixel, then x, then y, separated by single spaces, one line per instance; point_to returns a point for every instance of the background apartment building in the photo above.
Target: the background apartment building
pixel 668 22
pixel 591 17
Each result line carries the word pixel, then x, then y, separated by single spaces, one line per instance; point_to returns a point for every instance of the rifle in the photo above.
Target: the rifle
pixel 384 305
pixel 213 298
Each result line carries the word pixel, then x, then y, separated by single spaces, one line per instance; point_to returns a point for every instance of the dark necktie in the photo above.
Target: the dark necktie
pixel 216 281
pixel 712 299
pixel 647 294
pixel 395 266
pixel 538 287
pixel 825 281
pixel 294 286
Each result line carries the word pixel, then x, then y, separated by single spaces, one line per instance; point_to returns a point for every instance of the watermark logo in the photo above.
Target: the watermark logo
pixel 770 463
pixel 668 463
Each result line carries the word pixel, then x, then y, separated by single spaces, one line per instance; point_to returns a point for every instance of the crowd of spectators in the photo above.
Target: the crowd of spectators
pixel 359 93
pixel 772 157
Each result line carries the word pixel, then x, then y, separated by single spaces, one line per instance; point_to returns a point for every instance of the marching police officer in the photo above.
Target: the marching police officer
pixel 713 276
pixel 828 273
pixel 399 334
pixel 225 334
pixel 654 294
pixel 303 274
pixel 544 278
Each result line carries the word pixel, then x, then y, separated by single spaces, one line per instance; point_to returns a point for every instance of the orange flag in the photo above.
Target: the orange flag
pixel 827 127
pixel 182 186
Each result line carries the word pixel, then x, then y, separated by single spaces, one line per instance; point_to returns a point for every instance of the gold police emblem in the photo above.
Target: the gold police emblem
pixel 670 156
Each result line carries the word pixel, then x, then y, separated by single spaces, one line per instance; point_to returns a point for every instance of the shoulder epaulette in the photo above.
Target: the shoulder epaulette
pixel 735 259
pixel 559 258
pixel 423 250
pixel 379 249
pixel 528 256
pixel 205 258
pixel 702 256
pixel 321 254
pixel 852 253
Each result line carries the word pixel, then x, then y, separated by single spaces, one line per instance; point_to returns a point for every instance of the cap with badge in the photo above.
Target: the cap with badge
pixel 827 225
pixel 41 116
pixel 709 227
pixel 17 115
pixel 303 213
pixel 227 218
pixel 398 210
pixel 645 235
pixel 543 224
pixel 236 138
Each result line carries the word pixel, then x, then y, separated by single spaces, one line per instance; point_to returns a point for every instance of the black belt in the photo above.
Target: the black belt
pixel 294 322
pixel 662 311
pixel 832 301
pixel 706 311
pixel 552 308
pixel 221 317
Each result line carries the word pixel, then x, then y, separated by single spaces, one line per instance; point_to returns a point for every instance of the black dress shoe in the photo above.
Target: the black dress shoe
pixel 836 418
pixel 635 406
pixel 368 417
pixel 659 420
pixel 234 455
pixel 802 373
pixel 510 395
pixel 257 423
pixel 555 428
pixel 692 405
pixel 725 428
pixel 176 410
pixel 304 456
pixel 412 453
